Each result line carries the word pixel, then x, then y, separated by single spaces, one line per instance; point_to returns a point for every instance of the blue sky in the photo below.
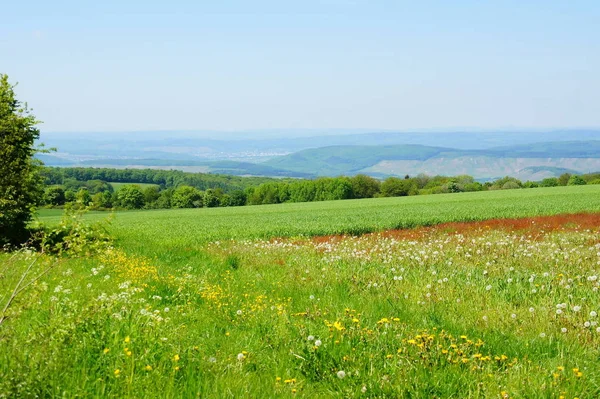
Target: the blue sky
pixel 238 65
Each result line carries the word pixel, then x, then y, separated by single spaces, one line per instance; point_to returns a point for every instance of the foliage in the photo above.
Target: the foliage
pixel 396 187
pixel 576 181
pixel 131 197
pixel 186 197
pixel 73 235
pixel 54 195
pixel 20 189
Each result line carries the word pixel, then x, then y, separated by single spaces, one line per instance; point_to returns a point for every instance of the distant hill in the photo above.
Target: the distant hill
pixel 531 161
pixel 484 155
pixel 259 146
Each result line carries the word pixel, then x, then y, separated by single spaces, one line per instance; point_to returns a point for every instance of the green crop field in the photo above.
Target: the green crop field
pixel 246 303
pixel 181 228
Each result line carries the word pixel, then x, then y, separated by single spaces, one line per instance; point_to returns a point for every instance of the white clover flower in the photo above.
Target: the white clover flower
pixel 241 356
pixel 488 287
pixel 363 389
pixel 341 374
pixel 586 324
pixel 311 338
pixel 598 329
pixel 593 314
pixel 318 343
pixel 212 359
pixel 542 335
pixel 513 316
pixel 238 312
pixel 563 330
pixel 576 308
pixel 167 310
pixel 531 310
pixel 559 311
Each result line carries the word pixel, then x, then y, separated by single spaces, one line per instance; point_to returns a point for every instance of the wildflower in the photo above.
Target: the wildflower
pixel 212 359
pixel 563 330
pixel 127 339
pixel 576 308
pixel 148 368
pixel 531 310
pixel 593 314
pixel 239 312
pixel 106 350
pixel 489 287
pixel 311 338
pixel 363 389
pixel 241 356
pixel 341 374
pixel 176 358
pixel 318 343
pixel 117 372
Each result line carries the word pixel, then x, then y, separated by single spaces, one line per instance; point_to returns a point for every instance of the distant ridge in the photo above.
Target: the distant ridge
pixel 543 159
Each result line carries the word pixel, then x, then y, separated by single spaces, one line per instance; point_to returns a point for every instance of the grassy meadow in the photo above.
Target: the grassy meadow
pixel 263 302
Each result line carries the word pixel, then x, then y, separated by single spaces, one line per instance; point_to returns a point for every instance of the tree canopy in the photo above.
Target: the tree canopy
pixel 20 188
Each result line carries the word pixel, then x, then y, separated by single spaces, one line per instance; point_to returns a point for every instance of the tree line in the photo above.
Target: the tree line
pixel 158 189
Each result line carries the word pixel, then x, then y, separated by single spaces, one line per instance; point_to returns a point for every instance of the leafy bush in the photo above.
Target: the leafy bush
pixel 73 236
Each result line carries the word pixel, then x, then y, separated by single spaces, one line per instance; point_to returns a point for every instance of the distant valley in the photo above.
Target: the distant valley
pixel 483 155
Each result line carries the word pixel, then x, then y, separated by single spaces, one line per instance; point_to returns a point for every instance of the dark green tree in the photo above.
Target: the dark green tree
pixel 130 196
pixel 364 186
pixel 186 197
pixel 576 181
pixel 54 195
pixel 20 182
pixel 563 179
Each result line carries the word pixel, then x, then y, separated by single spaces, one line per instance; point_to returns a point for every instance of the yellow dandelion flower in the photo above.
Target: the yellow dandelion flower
pixel 127 339
pixel 176 358
pixel 106 350
pixel 117 372
pixel 148 368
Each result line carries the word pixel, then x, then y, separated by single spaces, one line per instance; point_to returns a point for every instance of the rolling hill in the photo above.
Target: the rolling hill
pixel 529 161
